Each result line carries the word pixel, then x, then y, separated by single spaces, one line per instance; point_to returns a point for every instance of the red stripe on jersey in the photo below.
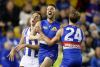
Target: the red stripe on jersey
pixel 72 44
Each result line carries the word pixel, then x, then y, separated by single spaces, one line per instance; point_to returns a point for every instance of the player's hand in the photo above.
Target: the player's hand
pixel 32 37
pixel 11 55
pixel 19 47
pixel 38 29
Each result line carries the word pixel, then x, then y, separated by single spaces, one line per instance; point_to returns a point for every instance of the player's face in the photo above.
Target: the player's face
pixel 35 18
pixel 50 12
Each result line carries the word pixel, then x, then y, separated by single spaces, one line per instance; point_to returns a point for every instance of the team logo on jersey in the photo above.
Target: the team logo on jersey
pixel 45 27
pixel 54 29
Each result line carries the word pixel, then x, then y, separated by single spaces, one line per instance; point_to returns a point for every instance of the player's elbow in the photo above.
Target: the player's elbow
pixel 36 47
pixel 50 43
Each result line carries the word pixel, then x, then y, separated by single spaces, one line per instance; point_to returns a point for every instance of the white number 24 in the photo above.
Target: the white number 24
pixel 77 35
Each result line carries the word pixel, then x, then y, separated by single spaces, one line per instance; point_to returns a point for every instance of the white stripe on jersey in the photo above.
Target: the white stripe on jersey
pixel 26 33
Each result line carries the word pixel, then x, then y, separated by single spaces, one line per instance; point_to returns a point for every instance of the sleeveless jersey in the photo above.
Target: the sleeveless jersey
pixel 49 30
pixel 72 37
pixel 28 51
pixel 71 40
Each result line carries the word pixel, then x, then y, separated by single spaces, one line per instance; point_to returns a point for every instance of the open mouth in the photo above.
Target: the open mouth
pixel 33 21
pixel 50 13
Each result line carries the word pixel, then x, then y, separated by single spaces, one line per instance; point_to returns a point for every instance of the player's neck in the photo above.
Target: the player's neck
pixel 50 20
pixel 33 25
pixel 70 23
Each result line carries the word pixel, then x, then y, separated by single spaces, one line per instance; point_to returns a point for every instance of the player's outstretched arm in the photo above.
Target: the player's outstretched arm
pixel 54 40
pixel 14 50
pixel 34 47
pixel 20 45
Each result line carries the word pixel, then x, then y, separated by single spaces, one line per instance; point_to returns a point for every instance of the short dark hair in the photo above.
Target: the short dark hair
pixel 51 5
pixel 28 21
pixel 38 12
pixel 74 16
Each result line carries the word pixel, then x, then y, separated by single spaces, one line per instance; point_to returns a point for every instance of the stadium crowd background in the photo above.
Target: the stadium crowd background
pixel 14 15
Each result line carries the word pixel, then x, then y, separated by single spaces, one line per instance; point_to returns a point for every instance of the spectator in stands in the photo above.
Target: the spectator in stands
pixel 93 6
pixel 63 19
pixel 10 16
pixel 10 37
pixel 2 25
pixel 1 46
pixel 40 3
pixel 96 23
pixel 83 23
pixel 96 39
pixel 95 61
pixel 2 4
pixel 84 28
pixel 62 3
pixel 43 12
pixel 82 5
pixel 63 15
pixel 83 19
pixel 4 56
pixel 25 14
pixel 88 51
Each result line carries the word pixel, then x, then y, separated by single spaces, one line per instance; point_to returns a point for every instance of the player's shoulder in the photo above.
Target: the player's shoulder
pixel 66 26
pixel 25 30
pixel 57 22
pixel 38 23
pixel 43 20
pixel 71 26
pixel 60 31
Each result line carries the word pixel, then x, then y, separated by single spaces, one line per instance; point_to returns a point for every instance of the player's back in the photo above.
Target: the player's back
pixel 71 40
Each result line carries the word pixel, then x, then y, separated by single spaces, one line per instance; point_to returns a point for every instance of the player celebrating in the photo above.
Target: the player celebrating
pixel 71 37
pixel 48 54
pixel 29 57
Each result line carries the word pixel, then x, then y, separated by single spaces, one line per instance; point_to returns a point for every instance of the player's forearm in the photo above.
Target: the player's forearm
pixel 13 50
pixel 22 39
pixel 50 43
pixel 34 47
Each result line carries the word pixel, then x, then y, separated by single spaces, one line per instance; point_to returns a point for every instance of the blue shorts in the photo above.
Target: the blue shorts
pixel 70 63
pixel 71 58
pixel 43 53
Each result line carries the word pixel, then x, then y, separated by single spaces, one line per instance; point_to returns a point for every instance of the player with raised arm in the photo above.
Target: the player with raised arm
pixel 48 54
pixel 71 37
pixel 29 45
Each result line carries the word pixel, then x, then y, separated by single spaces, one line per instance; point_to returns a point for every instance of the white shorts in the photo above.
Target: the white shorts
pixel 27 61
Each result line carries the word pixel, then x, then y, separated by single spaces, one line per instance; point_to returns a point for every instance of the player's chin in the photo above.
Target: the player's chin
pixel 33 24
pixel 50 16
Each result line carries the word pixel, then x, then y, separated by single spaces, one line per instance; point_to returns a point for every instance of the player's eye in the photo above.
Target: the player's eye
pixel 51 9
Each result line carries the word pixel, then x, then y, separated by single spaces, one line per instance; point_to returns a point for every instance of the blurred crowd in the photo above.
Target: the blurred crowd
pixel 14 15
